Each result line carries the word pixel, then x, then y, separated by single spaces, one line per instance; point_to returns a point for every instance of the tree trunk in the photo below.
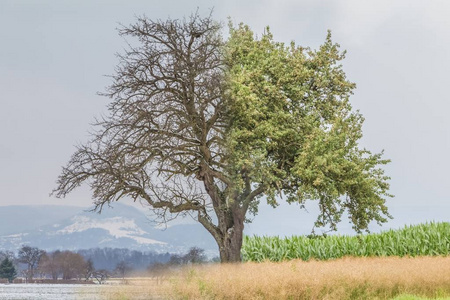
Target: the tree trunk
pixel 230 242
pixel 29 275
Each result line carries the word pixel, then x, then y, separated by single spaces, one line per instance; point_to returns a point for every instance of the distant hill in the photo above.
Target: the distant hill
pixel 72 228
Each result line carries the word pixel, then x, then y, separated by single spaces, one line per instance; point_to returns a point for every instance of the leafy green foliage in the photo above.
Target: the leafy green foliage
pixel 7 270
pixel 293 132
pixel 425 239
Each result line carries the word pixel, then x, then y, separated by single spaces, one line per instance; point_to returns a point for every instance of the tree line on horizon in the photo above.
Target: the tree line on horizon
pixel 89 264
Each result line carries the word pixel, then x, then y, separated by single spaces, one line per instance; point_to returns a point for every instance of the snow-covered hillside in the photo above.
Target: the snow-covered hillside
pixel 117 227
pixel 122 226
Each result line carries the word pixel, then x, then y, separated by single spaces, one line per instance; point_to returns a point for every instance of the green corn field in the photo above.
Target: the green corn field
pixel 418 240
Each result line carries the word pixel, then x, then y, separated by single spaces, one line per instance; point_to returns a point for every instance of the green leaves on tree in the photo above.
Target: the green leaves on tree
pixel 293 131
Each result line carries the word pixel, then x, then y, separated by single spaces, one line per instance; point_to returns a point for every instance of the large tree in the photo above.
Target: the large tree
pixel 30 256
pixel 209 127
pixel 71 265
pixel 50 264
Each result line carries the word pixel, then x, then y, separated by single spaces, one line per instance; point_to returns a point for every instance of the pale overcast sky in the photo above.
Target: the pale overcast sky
pixel 53 55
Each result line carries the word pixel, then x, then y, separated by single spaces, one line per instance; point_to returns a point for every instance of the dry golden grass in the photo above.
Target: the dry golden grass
pixel 347 278
pixel 135 289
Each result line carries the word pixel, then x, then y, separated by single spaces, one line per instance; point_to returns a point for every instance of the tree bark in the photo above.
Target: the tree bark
pixel 230 242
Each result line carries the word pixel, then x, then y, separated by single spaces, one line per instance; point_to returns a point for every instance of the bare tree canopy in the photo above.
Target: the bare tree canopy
pixel 30 256
pixel 122 268
pixel 66 263
pixel 206 127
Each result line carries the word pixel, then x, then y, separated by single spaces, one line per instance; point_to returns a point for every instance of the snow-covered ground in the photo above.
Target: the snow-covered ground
pixel 50 292
pixel 144 289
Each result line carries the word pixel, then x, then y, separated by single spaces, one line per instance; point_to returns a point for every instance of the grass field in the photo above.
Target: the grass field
pixel 396 278
pixel 136 289
pixel 425 239
pixel 412 297
pixel 408 264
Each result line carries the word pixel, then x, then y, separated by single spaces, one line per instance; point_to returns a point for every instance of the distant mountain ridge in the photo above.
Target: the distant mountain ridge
pixel 73 228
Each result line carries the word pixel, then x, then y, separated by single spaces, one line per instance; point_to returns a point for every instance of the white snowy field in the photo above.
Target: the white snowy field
pixel 50 292
pixel 144 289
